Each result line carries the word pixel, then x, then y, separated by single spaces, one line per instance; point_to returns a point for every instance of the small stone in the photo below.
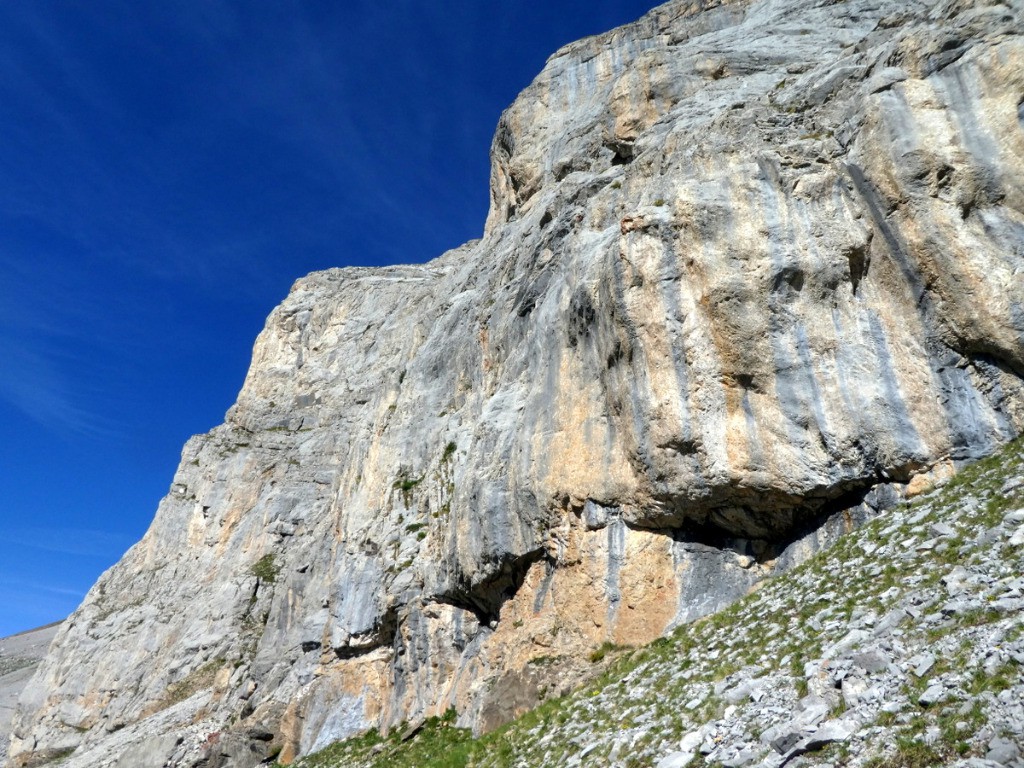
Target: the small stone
pixel 772 760
pixel 955 580
pixel 852 638
pixel 691 741
pixel 737 694
pixel 1008 604
pixel 853 690
pixel 812 710
pixel 989 536
pixel 1014 516
pixel 741 758
pixel 616 750
pixel 1002 751
pixel 833 730
pixel 871 661
pixel 933 695
pixel 782 744
pixel 888 622
pixel 923 664
pixel 1011 485
pixel 675 760
pixel 954 607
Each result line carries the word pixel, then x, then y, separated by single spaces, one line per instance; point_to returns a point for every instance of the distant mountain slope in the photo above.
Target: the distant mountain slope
pixel 20 654
pixel 900 647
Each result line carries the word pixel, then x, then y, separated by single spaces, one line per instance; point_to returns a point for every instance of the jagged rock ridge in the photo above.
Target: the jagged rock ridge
pixel 752 271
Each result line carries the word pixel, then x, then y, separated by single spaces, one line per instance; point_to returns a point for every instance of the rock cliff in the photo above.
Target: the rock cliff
pixel 900 646
pixel 752 272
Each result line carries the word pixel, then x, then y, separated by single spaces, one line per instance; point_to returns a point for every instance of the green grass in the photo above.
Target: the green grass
pixel 266 569
pixel 1000 679
pixel 910 752
pixel 197 680
pixel 599 653
pixel 437 743
pixel 60 756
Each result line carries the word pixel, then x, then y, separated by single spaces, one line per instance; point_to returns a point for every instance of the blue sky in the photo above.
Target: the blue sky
pixel 167 170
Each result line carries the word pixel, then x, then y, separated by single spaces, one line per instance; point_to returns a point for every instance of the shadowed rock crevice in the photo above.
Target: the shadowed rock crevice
pixel 622 151
pixel 728 529
pixel 764 513
pixel 382 636
pixel 485 599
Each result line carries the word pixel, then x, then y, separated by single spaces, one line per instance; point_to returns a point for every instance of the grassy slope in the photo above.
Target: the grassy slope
pixel 650 697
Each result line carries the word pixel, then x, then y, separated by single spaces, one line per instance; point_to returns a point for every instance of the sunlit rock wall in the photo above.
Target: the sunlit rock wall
pixel 750 270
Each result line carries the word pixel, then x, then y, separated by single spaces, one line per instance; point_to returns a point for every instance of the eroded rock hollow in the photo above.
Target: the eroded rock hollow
pixel 752 271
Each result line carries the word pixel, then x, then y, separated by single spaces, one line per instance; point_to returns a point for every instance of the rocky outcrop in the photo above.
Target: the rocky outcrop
pixel 752 271
pixel 903 645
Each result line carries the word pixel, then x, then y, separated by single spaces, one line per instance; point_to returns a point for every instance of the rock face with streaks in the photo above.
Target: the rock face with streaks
pixel 752 271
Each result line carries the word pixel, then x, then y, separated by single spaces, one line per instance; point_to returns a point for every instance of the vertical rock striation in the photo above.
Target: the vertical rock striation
pixel 752 270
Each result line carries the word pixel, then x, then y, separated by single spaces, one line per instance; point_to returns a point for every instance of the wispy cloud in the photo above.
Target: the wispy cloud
pixel 24 585
pixel 81 542
pixel 26 604
pixel 31 383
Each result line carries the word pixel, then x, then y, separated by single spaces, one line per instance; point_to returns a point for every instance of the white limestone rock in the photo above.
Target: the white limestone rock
pixel 749 268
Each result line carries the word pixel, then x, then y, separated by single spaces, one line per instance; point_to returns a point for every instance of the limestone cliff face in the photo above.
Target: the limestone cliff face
pixel 750 268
